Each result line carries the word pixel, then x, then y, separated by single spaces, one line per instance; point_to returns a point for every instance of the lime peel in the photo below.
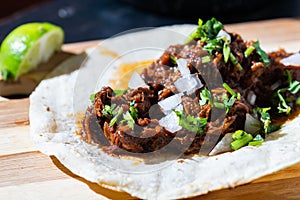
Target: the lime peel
pixel 27 46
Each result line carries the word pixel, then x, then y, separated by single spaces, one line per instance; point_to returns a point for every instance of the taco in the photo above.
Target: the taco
pixel 213 112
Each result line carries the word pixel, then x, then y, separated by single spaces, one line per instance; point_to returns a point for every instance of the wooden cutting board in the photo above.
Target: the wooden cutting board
pixel 25 173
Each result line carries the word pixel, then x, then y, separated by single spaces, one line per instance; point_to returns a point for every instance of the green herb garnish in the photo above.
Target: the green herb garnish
pixel 264 117
pixel 127 118
pixel 257 141
pixel 173 59
pixel 207 31
pixel 241 138
pixel 109 111
pixel 116 117
pixel 235 62
pixel 92 97
pixel 226 51
pixel 191 123
pixel 249 51
pixel 264 56
pixel 133 111
pixel 228 88
pixel 205 96
pixel 294 88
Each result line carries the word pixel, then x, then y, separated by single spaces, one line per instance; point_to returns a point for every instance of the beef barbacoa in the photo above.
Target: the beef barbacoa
pixel 229 79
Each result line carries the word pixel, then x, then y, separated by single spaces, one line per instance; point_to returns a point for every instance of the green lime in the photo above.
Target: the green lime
pixel 27 46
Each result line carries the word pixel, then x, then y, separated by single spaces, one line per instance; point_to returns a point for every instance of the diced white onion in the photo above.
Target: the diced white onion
pixel 251 98
pixel 136 81
pixel 170 122
pixel 252 125
pixel 188 84
pixel 170 103
pixel 183 68
pixel 275 85
pixel 223 145
pixel 293 60
pixel 223 34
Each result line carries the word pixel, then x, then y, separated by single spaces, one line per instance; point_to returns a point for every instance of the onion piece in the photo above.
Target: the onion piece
pixel 275 85
pixel 252 125
pixel 251 97
pixel 188 84
pixel 223 34
pixel 293 60
pixel 170 103
pixel 223 145
pixel 136 81
pixel 183 68
pixel 170 122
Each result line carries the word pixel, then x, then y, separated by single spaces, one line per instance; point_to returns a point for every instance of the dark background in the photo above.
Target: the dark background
pixel 97 19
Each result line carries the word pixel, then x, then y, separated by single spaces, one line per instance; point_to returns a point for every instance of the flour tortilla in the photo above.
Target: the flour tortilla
pixel 54 107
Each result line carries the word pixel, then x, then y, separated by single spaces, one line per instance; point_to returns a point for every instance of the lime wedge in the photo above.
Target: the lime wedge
pixel 27 46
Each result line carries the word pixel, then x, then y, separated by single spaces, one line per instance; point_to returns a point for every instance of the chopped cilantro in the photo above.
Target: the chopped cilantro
pixel 92 97
pixel 205 96
pixel 206 31
pixel 228 102
pixel 263 55
pixel 191 123
pixel 116 117
pixel 127 118
pixel 282 105
pixel 264 117
pixel 133 111
pixel 109 111
pixel 294 88
pixel 213 45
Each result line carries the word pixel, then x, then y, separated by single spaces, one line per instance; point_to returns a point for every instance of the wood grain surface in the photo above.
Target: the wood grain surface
pixel 25 173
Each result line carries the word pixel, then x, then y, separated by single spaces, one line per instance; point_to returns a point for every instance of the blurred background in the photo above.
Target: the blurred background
pixel 98 19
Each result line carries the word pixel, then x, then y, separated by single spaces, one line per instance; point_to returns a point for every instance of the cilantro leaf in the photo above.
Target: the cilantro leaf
pixel 207 31
pixel 228 103
pixel 262 53
pixel 264 117
pixel 133 111
pixel 109 111
pixel 191 123
pixel 116 117
pixel 205 96
pixel 127 118
pixel 92 97
pixel 294 88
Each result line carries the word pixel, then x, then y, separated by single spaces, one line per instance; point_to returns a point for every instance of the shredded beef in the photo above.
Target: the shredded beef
pixel 147 135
